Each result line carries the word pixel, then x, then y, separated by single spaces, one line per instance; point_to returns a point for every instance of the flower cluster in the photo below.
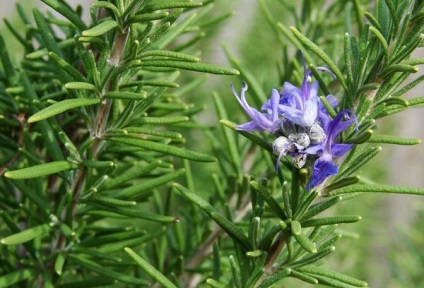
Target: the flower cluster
pixel 302 126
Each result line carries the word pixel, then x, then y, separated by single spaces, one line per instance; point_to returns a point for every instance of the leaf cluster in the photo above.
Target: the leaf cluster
pixel 92 140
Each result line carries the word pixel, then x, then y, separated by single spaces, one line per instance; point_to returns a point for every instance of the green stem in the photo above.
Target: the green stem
pixel 98 130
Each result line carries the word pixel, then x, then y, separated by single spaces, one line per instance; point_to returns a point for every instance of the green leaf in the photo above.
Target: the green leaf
pixel 38 198
pixel 358 161
pixel 171 5
pixel 234 231
pixel 296 228
pixel 235 270
pixel 130 175
pixel 43 52
pixel 312 258
pixel 287 33
pixel 136 190
pixel 373 20
pixel 15 32
pixel 361 137
pixel 303 277
pixel 62 106
pixel 107 236
pixel 382 41
pixel 321 54
pixel 67 13
pixel 378 189
pixel 136 211
pixel 153 272
pixel 192 66
pixel 50 140
pixel 395 68
pixel 160 120
pixel 46 33
pixel 26 235
pixel 273 204
pixel 408 87
pixel 225 224
pixel 160 133
pixel 68 68
pixel 165 149
pixel 98 164
pixel 172 33
pixel 330 220
pixel 40 170
pixel 229 136
pixel 286 200
pixel 320 207
pixel 169 54
pixel 149 83
pixel 331 282
pixel 275 278
pixel 100 29
pixel 58 264
pixel 146 17
pixel 16 277
pixel 8 66
pixel 394 140
pixel 392 10
pixel 305 203
pixel 112 201
pixel 81 86
pixel 334 275
pixel 327 106
pixel 254 232
pixel 102 270
pixel 125 95
pixel 107 5
pixel 305 243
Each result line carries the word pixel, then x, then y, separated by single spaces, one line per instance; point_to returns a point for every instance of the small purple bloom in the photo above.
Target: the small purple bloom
pixel 301 105
pixel 328 150
pixel 260 121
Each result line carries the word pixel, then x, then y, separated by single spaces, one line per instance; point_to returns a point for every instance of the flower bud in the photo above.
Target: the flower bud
pixel 281 145
pixel 316 134
pixel 287 127
pixel 302 139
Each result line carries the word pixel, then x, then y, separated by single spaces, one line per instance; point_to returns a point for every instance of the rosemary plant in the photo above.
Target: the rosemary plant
pixel 100 188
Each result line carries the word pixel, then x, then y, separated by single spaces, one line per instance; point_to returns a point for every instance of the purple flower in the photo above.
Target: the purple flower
pixel 329 150
pixel 260 121
pixel 301 105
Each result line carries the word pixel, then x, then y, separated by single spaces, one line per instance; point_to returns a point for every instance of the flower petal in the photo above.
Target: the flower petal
pixel 311 111
pixel 312 90
pixel 317 149
pixel 291 95
pixel 249 126
pixel 337 125
pixel 332 100
pixel 338 150
pixel 323 168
